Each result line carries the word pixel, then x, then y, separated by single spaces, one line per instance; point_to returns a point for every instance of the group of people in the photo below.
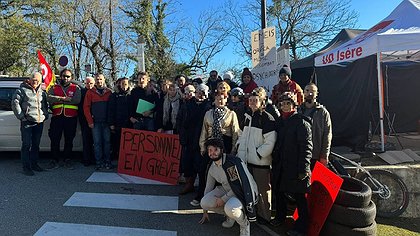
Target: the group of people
pixel 241 144
pixel 244 145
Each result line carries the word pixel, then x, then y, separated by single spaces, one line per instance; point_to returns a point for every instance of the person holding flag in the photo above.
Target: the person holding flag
pixel 64 98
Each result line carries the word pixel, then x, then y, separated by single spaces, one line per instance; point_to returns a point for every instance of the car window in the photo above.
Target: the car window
pixel 6 95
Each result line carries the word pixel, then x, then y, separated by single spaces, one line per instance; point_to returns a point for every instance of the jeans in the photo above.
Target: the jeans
pixel 60 124
pixel 101 141
pixel 31 137
pixel 145 124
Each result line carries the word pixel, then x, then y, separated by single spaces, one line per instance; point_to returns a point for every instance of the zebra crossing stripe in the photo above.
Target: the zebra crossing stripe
pixel 68 229
pixel 104 177
pixel 123 201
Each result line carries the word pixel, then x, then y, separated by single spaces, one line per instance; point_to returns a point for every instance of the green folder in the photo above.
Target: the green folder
pixel 143 106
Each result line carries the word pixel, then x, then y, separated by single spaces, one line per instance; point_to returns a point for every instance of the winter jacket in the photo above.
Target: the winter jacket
pixel 291 86
pixel 75 99
pixel 118 109
pixel 229 123
pixel 272 109
pixel 29 104
pixel 213 84
pixel 257 139
pixel 321 130
pixel 133 100
pixel 239 108
pixel 237 181
pixel 190 122
pixel 249 87
pixel 292 155
pixel 96 105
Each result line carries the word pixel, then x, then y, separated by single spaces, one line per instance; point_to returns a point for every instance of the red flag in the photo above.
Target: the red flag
pixel 47 74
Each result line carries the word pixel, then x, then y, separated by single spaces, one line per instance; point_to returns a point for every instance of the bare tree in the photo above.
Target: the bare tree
pixel 206 39
pixel 242 19
pixel 307 25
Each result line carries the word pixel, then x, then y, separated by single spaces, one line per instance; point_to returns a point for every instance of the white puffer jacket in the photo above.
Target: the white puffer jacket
pixel 258 138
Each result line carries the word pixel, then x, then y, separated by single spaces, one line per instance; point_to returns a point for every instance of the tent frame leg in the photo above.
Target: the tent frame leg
pixel 381 100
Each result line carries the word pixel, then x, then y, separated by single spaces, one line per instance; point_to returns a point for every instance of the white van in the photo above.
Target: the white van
pixel 10 138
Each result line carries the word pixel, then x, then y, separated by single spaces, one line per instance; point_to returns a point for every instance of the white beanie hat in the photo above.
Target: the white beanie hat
pixel 228 75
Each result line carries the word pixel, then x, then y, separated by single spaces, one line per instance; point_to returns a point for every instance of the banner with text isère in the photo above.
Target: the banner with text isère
pixel 150 155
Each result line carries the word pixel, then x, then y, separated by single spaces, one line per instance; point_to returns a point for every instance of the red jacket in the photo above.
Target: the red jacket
pixel 291 86
pixel 95 105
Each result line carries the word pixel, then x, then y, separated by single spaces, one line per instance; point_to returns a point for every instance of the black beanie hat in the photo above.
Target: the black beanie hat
pixel 246 71
pixel 285 70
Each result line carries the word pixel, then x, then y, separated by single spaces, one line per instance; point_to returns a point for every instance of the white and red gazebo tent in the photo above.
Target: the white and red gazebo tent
pixel 397 34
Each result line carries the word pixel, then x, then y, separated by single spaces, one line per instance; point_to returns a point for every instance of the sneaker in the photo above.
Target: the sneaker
pixel 68 164
pixel 98 167
pixel 262 221
pixel 28 172
pixel 245 230
pixel 37 168
pixel 109 166
pixel 228 223
pixel 181 179
pixel 195 203
pixel 52 165
pixel 276 222
pixel 86 163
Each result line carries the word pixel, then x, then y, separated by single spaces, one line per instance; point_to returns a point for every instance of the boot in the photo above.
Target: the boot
pixel 188 187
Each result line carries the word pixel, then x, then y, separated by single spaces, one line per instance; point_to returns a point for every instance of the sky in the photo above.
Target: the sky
pixel 370 12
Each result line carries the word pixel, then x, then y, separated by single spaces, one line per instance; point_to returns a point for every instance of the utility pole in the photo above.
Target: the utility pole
pixel 140 54
pixel 263 14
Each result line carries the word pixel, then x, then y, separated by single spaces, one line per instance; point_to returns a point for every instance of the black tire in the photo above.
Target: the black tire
pixel 333 229
pixel 353 193
pixel 353 217
pixel 394 204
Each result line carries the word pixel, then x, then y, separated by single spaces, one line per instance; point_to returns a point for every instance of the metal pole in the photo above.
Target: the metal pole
pixel 381 97
pixel 263 14
pixel 140 62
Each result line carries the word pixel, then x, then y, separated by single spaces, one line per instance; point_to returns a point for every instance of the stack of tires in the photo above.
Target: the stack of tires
pixel 353 212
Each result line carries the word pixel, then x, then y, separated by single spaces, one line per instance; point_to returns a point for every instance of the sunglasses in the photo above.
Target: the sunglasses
pixel 66 76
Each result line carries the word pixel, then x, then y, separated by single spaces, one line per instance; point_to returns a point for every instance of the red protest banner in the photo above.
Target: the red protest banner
pixel 325 185
pixel 149 155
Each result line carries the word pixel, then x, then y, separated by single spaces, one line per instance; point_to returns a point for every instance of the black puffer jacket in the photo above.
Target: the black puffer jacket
pixel 190 122
pixel 118 113
pixel 292 155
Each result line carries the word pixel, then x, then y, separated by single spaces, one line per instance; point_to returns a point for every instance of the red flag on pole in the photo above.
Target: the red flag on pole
pixel 48 76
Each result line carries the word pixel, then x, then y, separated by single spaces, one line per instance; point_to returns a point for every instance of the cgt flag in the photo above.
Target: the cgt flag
pixel 47 74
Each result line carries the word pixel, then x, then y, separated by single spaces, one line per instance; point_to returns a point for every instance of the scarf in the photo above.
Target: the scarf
pixel 286 115
pixel 170 108
pixel 218 115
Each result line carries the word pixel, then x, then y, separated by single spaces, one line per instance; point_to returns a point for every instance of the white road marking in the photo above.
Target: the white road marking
pixel 123 201
pixel 104 177
pixel 67 229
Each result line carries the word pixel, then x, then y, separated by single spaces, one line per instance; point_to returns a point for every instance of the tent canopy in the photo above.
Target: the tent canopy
pixel 397 32
pixel 342 37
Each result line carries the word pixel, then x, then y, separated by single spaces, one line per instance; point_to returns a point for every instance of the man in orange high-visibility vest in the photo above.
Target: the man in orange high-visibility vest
pixel 64 98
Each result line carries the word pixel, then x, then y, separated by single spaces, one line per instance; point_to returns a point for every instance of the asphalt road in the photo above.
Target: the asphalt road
pixel 28 202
